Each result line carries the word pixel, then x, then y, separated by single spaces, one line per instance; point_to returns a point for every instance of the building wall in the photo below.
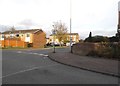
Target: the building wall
pixel 39 40
pixel 54 40
pixel 36 40
pixel 28 39
pixel 75 38
pixel 22 36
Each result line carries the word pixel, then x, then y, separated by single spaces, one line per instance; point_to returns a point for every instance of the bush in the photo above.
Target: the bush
pixel 30 45
pixel 97 39
pixel 107 50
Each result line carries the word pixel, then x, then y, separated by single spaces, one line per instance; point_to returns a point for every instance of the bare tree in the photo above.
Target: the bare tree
pixel 60 31
pixel 4 28
pixel 12 29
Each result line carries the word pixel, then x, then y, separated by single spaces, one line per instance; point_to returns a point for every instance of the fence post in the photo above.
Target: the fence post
pixel 23 44
pixel 16 42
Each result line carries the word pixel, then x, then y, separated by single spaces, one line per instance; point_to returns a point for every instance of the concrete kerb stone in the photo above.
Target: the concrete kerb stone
pixel 83 68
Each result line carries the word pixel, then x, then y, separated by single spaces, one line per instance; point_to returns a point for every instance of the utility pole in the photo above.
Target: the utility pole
pixel 53 39
pixel 70 25
pixel 118 29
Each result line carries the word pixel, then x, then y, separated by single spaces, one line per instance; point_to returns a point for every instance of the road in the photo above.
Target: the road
pixel 34 67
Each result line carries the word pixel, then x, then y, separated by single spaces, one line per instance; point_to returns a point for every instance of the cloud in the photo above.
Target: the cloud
pixel 119 6
pixel 27 23
pixel 109 33
pixel 87 15
pixel 3 28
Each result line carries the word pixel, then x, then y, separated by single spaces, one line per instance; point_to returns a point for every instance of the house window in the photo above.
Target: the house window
pixel 2 36
pixel 28 35
pixel 17 35
pixel 11 35
pixel 7 36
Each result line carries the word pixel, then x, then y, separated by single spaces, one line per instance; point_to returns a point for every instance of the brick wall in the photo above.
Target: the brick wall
pixel 84 48
pixel 39 40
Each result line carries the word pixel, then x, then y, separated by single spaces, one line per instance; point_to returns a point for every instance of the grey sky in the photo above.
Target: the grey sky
pixel 98 16
pixel 119 6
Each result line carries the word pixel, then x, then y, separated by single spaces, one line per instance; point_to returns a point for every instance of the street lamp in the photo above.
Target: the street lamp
pixel 70 25
pixel 118 34
pixel 53 32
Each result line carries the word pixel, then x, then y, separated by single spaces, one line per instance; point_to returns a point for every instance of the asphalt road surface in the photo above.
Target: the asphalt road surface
pixel 34 67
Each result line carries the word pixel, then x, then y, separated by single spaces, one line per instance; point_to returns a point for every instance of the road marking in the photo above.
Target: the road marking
pixel 33 53
pixel 46 55
pixel 22 71
pixel 19 52
pixel 41 54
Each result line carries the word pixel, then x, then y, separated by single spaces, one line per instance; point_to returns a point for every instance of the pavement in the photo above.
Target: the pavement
pixel 94 64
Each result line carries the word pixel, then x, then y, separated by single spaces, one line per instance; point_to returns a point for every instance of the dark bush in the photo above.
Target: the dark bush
pixel 97 39
pixel 30 45
pixel 107 50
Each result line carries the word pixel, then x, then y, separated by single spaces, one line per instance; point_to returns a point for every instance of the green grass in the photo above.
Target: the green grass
pixel 14 48
pixel 40 48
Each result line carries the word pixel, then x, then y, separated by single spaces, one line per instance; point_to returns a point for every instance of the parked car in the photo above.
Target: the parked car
pixel 68 44
pixel 56 44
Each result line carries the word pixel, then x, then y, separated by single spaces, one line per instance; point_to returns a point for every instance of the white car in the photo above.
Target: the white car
pixel 68 44
pixel 56 44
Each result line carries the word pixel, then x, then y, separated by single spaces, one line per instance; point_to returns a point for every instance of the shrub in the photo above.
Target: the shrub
pixel 97 39
pixel 107 50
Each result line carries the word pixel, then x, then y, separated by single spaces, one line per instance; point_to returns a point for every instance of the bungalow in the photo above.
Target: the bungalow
pixel 33 37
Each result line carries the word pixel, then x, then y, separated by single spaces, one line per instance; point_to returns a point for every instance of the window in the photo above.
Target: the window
pixel 17 35
pixel 7 36
pixel 28 35
pixel 2 36
pixel 11 35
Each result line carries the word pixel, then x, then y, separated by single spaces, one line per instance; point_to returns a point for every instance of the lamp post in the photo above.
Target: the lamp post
pixel 118 34
pixel 70 25
pixel 53 39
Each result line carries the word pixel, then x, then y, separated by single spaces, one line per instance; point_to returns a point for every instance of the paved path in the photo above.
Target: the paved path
pixel 100 65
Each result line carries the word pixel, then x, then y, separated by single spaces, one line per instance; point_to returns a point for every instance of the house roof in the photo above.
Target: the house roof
pixel 72 34
pixel 69 34
pixel 23 31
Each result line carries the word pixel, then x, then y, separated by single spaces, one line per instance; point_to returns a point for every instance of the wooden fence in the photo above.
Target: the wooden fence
pixel 12 42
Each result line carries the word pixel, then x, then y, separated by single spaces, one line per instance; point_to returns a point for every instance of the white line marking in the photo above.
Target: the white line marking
pixel 33 53
pixel 27 70
pixel 19 52
pixel 41 54
pixel 46 55
pixel 29 53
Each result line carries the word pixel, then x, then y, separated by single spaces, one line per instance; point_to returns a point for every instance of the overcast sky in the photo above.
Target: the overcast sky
pixel 98 16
